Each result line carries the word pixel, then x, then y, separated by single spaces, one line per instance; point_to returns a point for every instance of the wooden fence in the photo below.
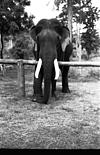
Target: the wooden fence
pixel 20 69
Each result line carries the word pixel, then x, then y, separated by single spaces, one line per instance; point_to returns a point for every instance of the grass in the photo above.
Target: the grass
pixel 70 122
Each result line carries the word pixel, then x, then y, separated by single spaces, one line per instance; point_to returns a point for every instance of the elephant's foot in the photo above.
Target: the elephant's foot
pixel 41 100
pixel 66 90
pixel 34 98
pixel 38 99
pixel 54 95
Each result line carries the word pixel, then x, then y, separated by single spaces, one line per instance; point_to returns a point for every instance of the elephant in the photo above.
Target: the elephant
pixel 52 44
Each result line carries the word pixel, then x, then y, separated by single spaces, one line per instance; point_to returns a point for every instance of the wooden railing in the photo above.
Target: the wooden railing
pixel 20 69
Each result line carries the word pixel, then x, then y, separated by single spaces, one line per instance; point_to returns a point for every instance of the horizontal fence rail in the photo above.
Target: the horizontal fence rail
pixel 63 63
pixel 78 63
pixel 21 74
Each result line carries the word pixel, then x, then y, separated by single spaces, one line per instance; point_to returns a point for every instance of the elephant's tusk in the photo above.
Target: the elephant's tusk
pixel 38 68
pixel 57 70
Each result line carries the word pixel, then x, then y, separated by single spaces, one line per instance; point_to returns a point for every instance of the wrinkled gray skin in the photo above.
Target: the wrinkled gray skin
pixel 49 35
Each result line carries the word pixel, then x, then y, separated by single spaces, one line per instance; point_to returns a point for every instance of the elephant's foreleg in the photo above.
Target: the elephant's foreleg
pixel 53 82
pixel 65 86
pixel 37 87
pixel 53 88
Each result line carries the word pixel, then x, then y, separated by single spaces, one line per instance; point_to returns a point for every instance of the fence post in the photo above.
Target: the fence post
pixel 21 77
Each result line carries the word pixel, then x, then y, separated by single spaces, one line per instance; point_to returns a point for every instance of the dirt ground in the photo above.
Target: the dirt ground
pixel 70 122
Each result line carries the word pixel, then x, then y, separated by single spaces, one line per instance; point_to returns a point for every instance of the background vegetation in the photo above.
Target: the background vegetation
pixel 13 19
pixel 15 22
pixel 86 15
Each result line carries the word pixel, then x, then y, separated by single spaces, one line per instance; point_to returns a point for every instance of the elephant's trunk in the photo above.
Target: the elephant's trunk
pixel 47 67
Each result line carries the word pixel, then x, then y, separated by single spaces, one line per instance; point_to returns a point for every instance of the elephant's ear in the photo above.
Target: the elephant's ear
pixel 34 31
pixel 65 38
pixel 33 35
pixel 64 34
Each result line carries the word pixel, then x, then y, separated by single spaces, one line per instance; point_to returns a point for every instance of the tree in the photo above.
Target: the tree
pixel 70 15
pixel 91 40
pixel 13 18
pixel 74 5
pixel 66 10
pixel 83 13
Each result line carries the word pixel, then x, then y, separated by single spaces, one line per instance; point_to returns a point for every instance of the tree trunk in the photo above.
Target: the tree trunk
pixel 70 15
pixel 2 46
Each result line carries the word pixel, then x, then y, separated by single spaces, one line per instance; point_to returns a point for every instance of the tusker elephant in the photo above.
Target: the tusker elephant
pixel 52 44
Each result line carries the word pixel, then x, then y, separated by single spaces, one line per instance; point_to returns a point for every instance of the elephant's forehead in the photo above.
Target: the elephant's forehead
pixel 48 33
pixel 48 23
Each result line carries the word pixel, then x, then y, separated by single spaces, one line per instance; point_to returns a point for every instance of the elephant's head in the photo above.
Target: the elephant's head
pixel 47 33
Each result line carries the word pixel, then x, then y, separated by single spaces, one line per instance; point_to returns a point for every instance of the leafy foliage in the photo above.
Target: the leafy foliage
pixel 84 13
pixel 13 18
pixel 22 48
pixel 90 38
pixel 90 41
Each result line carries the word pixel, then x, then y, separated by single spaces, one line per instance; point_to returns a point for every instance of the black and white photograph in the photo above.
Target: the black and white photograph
pixel 50 74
